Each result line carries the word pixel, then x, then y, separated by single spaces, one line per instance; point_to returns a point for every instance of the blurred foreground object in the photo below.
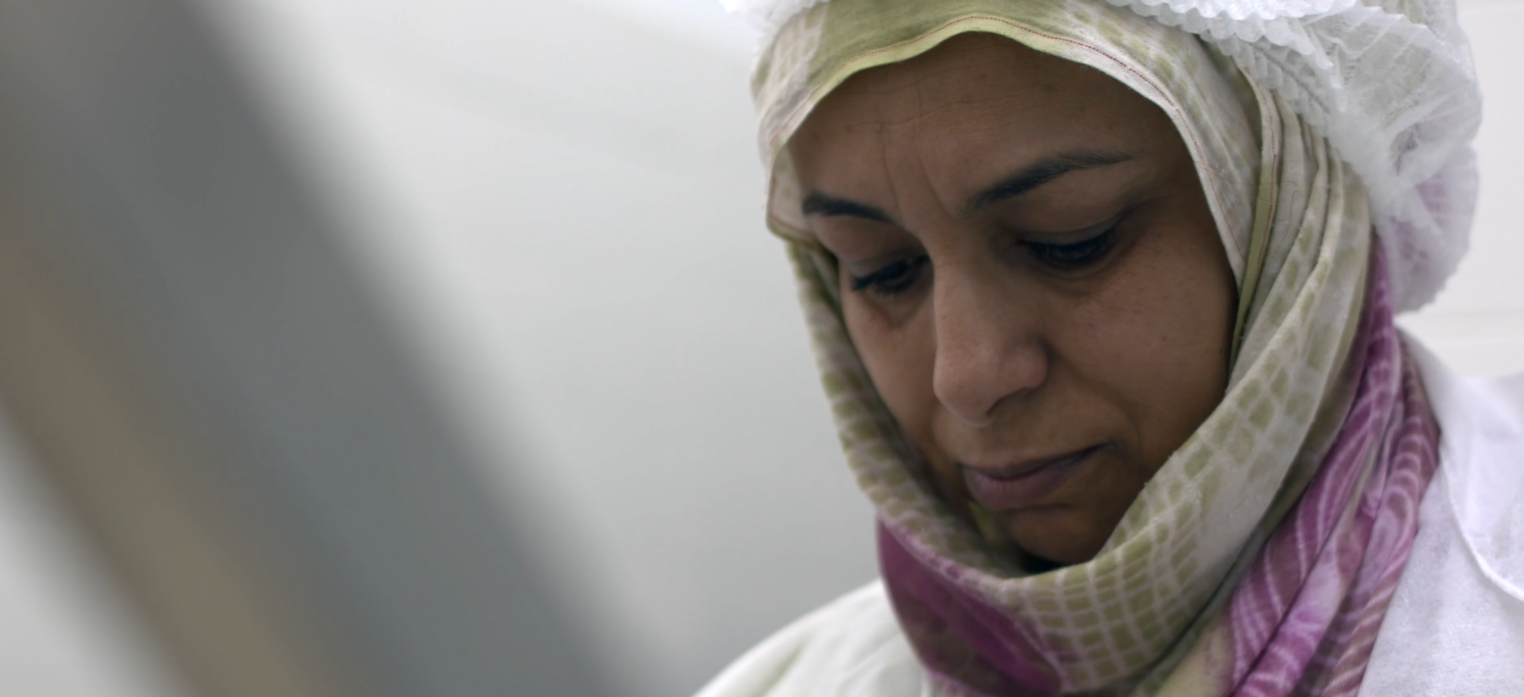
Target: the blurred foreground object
pixel 185 353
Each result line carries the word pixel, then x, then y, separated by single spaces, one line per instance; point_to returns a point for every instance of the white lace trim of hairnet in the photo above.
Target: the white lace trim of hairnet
pixel 1390 83
pixel 768 15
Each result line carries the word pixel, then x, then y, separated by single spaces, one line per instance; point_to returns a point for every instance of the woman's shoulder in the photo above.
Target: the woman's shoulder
pixel 1456 622
pixel 851 647
pixel 1481 468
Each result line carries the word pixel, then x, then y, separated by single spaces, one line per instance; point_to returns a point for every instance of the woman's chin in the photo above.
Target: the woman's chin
pixel 1050 538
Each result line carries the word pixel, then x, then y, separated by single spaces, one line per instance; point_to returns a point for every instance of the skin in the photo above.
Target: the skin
pixel 1076 321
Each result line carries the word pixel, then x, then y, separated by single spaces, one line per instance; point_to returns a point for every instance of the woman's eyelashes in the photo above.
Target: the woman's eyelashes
pixel 891 279
pixel 1075 256
pixel 902 275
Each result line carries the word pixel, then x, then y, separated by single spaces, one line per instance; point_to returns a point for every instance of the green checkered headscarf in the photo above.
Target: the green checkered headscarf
pixel 1296 227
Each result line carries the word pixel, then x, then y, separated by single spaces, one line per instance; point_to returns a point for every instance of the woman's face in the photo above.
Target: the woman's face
pixel 1031 275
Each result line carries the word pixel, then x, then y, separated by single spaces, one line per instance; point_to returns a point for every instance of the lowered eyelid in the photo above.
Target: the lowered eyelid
pixel 868 267
pixel 1074 236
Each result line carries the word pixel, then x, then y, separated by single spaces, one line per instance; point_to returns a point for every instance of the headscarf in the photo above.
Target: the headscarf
pixel 1261 557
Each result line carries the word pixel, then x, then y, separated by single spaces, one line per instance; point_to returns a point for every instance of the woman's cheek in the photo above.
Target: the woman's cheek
pixel 900 358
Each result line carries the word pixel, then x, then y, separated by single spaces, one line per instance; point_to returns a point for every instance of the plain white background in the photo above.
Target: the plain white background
pixel 560 202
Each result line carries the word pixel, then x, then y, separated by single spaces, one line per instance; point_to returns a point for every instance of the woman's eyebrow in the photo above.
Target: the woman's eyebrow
pixel 1042 172
pixel 818 203
pixel 1013 185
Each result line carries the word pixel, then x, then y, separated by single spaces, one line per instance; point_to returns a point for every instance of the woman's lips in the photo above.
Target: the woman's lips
pixel 1024 483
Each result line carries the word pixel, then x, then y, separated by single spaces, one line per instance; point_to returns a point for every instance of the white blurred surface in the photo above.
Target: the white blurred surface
pixel 65 630
pixel 560 201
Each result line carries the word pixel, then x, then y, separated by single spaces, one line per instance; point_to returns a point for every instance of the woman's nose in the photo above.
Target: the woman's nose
pixel 989 347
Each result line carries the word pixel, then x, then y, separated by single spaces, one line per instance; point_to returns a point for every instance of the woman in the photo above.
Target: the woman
pixel 1102 295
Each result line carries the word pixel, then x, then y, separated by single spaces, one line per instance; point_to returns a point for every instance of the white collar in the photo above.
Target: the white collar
pixel 1481 454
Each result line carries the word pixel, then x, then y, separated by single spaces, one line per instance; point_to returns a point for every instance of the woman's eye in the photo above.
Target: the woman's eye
pixel 1077 255
pixel 892 279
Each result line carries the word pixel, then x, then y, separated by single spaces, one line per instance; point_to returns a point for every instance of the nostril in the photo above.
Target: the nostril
pixel 980 365
pixel 971 383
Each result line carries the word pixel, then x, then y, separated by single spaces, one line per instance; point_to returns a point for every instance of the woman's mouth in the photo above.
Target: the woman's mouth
pixel 1025 483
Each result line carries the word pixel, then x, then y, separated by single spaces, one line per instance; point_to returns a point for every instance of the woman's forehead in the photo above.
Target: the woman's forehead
pixel 827 59
pixel 973 108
